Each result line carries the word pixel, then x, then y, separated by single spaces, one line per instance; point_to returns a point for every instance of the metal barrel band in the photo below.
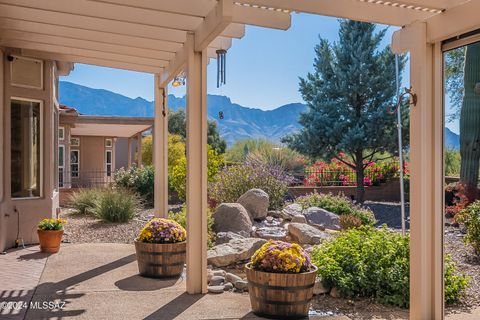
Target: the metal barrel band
pixel 285 288
pixel 283 303
pixel 166 264
pixel 170 253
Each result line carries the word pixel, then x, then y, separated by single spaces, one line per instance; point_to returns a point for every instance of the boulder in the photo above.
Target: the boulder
pixel 216 280
pixel 300 218
pixel 335 293
pixel 235 251
pixel 306 234
pixel 291 210
pixel 322 217
pixel 274 214
pixel 228 286
pixel 230 277
pixel 215 289
pixel 232 217
pixel 256 201
pixel 319 288
pixel 241 285
pixel 224 237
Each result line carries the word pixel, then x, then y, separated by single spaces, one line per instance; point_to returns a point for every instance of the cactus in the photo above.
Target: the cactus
pixel 470 122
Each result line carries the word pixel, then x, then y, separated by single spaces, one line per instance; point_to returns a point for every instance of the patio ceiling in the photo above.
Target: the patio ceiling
pixel 150 35
pixel 106 126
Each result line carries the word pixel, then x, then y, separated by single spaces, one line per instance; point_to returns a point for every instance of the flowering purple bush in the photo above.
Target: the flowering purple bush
pixel 281 257
pixel 233 181
pixel 160 230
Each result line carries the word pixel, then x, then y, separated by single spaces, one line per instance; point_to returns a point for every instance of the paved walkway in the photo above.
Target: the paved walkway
pixel 100 281
pixel 20 271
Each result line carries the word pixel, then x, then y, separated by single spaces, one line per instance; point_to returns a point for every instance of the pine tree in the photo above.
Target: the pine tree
pixel 348 94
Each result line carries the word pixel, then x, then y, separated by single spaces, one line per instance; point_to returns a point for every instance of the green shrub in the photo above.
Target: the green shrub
pixel 452 162
pixel 116 205
pixel 181 218
pixel 83 201
pixel 368 262
pixel 348 221
pixel 289 160
pixel 340 205
pixel 470 217
pixel 178 174
pixel 137 179
pixel 234 181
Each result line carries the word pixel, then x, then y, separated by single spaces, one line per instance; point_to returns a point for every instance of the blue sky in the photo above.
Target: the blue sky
pixel 262 68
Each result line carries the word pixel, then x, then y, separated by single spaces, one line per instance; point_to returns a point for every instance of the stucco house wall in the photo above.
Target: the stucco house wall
pixel 21 215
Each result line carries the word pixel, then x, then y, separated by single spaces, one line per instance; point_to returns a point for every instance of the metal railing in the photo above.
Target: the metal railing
pixel 84 178
pixel 324 177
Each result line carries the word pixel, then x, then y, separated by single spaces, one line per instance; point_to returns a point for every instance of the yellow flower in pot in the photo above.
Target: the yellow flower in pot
pixel 281 278
pixel 50 232
pixel 161 248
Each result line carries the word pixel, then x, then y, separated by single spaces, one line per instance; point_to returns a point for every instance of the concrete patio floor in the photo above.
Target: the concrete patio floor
pixel 101 281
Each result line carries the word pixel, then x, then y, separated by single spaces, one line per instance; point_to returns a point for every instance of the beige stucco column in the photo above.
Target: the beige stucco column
pixel 426 167
pixel 139 149
pixel 196 168
pixel 160 150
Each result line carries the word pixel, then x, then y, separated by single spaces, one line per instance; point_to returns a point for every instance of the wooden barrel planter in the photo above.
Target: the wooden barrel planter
pixel 156 260
pixel 50 240
pixel 280 295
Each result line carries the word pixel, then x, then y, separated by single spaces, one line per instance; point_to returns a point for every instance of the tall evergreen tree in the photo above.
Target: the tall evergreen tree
pixel 348 93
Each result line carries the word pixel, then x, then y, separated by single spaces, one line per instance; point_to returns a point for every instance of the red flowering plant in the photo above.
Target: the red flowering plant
pixel 281 257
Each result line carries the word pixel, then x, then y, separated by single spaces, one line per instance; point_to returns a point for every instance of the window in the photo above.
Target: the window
pixel 109 163
pixel 108 143
pixel 26 148
pixel 61 133
pixel 61 165
pixel 75 142
pixel 74 163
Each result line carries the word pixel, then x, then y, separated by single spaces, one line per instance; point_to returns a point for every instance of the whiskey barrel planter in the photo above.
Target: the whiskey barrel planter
pixel 160 260
pixel 50 240
pixel 280 295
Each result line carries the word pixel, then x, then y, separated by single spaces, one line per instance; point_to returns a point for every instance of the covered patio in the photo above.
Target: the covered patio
pixel 167 38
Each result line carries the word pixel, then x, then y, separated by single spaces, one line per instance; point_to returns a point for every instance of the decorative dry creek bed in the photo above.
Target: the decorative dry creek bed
pixel 243 227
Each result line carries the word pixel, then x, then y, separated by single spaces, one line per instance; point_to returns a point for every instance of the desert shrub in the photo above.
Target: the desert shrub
pixel 242 148
pixel 137 179
pixel 233 181
pixel 147 150
pixel 470 217
pixel 289 160
pixel 83 200
pixel 181 218
pixel 281 257
pixel 178 174
pixel 452 162
pixel 348 221
pixel 340 205
pixel 116 205
pixel 369 262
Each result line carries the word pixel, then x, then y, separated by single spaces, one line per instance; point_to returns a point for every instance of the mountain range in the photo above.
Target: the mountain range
pixel 238 122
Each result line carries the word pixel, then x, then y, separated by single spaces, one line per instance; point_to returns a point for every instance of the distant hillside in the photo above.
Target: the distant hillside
pixel 239 122
pixel 452 140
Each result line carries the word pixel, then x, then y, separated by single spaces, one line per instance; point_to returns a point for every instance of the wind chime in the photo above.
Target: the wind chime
pixel 221 72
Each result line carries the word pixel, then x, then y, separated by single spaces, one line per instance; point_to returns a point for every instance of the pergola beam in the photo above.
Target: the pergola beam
pixel 85 34
pixel 348 9
pixel 214 24
pixel 86 44
pixel 89 60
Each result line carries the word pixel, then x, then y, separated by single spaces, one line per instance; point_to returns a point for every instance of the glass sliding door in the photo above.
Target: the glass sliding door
pixel 461 165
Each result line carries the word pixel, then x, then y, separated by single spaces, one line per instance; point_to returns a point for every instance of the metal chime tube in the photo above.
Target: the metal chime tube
pixel 221 67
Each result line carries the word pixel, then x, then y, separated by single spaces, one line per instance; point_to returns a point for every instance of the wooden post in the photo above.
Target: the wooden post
pixel 196 168
pixel 139 149
pixel 160 150
pixel 426 168
pixel 129 157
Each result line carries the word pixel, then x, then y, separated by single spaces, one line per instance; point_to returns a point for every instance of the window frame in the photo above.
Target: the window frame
pixel 77 163
pixel 108 163
pixel 75 145
pixel 42 121
pixel 61 185
pixel 107 140
pixel 61 128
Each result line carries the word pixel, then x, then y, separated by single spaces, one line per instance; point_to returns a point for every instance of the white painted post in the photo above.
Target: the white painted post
pixel 160 151
pixel 196 168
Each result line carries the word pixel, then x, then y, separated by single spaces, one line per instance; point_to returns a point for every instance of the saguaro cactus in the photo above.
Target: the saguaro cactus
pixel 470 122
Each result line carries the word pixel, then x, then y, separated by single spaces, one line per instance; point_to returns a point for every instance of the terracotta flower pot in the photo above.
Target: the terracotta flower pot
pixel 280 295
pixel 161 260
pixel 50 240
